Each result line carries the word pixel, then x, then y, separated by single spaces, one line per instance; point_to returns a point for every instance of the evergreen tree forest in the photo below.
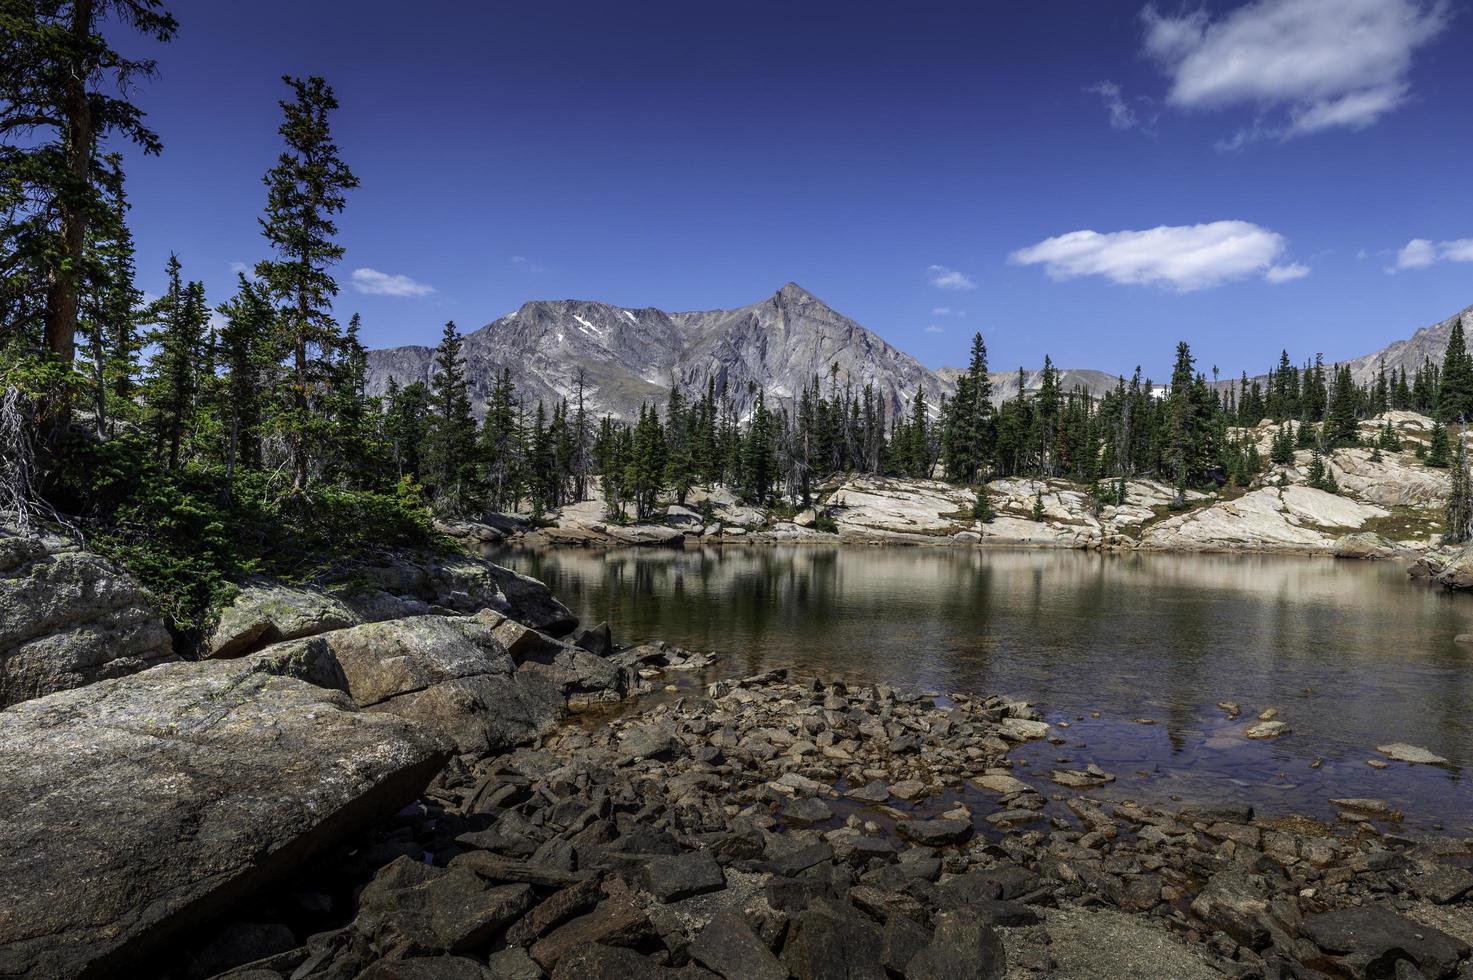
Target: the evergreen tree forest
pixel 201 439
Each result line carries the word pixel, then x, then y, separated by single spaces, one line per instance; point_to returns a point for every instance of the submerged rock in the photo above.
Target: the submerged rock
pixel 1415 754
pixel 138 807
pixel 68 618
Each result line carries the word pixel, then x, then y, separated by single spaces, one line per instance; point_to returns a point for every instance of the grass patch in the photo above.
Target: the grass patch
pixel 1406 522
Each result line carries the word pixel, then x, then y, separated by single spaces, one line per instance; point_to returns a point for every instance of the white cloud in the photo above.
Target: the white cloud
pixel 237 268
pixel 948 311
pixel 1326 63
pixel 377 283
pixel 1460 250
pixel 943 278
pixel 1183 257
pixel 1124 113
pixel 933 328
pixel 1419 253
pixel 523 262
pixel 1286 273
pixel 1416 254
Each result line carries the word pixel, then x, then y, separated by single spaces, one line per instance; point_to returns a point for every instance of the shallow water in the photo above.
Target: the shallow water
pixel 1353 654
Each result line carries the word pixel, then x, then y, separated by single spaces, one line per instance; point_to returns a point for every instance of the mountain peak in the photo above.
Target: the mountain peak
pixel 793 291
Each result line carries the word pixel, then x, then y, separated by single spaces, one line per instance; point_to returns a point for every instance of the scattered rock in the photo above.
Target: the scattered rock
pixel 1402 752
pixel 1268 730
pixel 681 876
pixel 964 947
pixel 728 947
pixel 936 832
pixel 1368 941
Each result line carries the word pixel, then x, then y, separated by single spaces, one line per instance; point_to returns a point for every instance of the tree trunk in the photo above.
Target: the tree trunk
pixel 61 296
pixel 299 444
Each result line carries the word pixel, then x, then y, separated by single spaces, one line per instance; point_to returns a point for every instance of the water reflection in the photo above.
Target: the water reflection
pixel 1352 654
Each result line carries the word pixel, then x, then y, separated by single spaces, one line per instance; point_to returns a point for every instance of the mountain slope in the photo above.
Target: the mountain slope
pixel 1429 343
pixel 630 357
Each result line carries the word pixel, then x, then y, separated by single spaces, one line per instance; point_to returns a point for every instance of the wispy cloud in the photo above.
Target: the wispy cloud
pixel 376 283
pixel 1132 113
pixel 239 268
pixel 1419 253
pixel 934 328
pixel 943 278
pixel 523 262
pixel 948 311
pixel 1286 273
pixel 1314 64
pixel 1182 257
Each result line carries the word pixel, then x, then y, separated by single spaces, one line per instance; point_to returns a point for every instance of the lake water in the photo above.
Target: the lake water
pixel 1352 654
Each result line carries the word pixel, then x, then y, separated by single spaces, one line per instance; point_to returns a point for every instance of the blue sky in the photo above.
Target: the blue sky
pixel 895 159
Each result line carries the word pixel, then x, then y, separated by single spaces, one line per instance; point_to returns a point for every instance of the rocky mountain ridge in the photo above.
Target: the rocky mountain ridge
pixel 628 357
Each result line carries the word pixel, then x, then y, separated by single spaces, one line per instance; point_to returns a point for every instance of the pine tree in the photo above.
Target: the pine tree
pixel 180 320
pixel 305 191
pixel 353 436
pixel 1182 436
pixel 1341 427
pixel 450 459
pixel 1438 449
pixel 759 462
pixel 1388 439
pixel 1458 517
pixel 1282 450
pixel 406 424
pixel 62 87
pixel 679 473
pixel 247 357
pixel 966 427
pixel 500 446
pixel 1455 394
pixel 1320 476
pixel 108 304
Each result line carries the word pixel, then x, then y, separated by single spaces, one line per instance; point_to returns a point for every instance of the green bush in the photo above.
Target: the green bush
pixel 178 535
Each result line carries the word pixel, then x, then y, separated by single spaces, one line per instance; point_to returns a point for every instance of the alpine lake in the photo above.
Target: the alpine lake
pixel 1130 657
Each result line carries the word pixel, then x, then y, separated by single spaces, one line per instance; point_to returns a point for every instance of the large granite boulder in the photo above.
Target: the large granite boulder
pixel 69 618
pixel 1450 567
pixel 266 612
pixel 452 673
pixel 464 584
pixel 1295 519
pixel 139 807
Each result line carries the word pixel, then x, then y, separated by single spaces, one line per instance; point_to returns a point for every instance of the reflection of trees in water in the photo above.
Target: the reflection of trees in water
pixel 1161 635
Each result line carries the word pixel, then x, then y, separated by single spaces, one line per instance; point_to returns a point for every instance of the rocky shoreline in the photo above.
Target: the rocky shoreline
pixel 428 771
pixel 773 829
